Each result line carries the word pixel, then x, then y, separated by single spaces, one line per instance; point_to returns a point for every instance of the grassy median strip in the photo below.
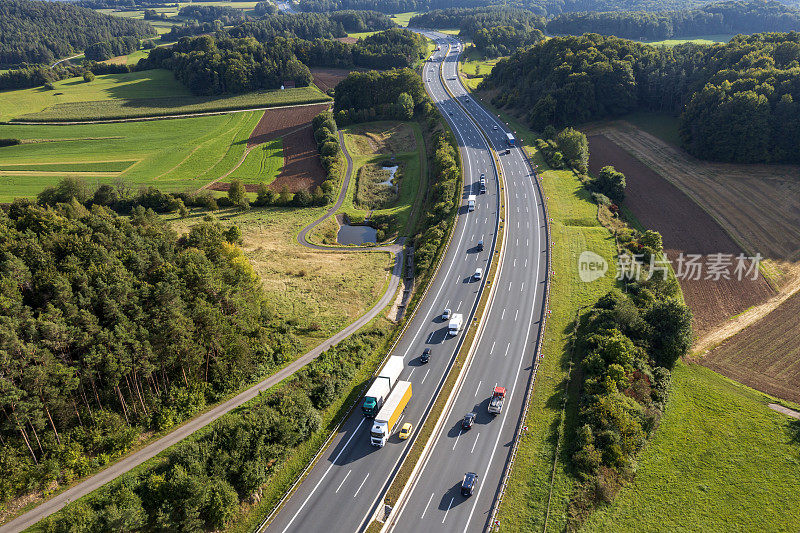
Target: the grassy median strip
pixel 426 431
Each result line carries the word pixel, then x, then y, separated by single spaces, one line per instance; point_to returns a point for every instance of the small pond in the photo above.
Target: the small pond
pixel 356 234
pixel 388 181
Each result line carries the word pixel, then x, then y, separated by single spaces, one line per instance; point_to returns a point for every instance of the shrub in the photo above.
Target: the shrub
pixel 88 76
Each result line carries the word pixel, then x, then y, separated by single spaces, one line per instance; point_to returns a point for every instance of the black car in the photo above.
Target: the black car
pixel 468 485
pixel 426 355
pixel 480 245
pixel 469 419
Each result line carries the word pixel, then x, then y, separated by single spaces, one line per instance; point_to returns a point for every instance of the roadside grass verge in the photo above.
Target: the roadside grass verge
pixel 173 155
pixel 720 457
pixel 131 95
pixel 318 293
pixel 413 165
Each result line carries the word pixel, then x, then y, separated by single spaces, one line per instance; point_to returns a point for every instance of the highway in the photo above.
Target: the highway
pixel 504 355
pixel 346 485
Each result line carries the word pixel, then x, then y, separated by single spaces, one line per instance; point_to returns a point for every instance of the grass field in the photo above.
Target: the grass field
pixel 475 69
pixel 403 18
pixel 721 460
pixel 320 292
pixel 374 142
pixel 136 94
pixel 702 39
pixel 173 155
pixel 262 164
pixel 574 229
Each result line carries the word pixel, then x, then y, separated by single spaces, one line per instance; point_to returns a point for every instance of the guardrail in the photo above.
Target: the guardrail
pixel 493 523
pixel 481 307
pixel 408 318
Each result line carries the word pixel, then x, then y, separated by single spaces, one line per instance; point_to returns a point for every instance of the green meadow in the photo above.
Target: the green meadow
pixel 702 39
pixel 173 155
pixel 262 164
pixel 130 95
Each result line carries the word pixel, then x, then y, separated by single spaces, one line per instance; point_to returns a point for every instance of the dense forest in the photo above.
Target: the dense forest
pixel 110 326
pixel 300 26
pixel 721 18
pixel 41 32
pixel 118 46
pixel 226 15
pixel 394 48
pixel 363 96
pixel 738 101
pixel 495 31
pixel 207 66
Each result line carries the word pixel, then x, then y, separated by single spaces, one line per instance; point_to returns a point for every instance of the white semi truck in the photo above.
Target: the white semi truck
pixel 471 202
pixel 382 386
pixel 456 322
pixel 390 413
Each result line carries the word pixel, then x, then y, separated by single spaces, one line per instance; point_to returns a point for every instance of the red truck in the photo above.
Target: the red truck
pixel 496 402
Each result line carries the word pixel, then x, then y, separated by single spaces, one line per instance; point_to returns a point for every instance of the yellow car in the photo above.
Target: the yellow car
pixel 405 431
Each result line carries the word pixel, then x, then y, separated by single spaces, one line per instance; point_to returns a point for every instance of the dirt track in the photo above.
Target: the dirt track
pixel 686 228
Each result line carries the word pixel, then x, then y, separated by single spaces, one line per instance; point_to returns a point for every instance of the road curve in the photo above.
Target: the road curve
pixel 96 481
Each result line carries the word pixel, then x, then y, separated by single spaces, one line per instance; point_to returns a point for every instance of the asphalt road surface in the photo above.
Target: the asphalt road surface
pixel 345 487
pixel 504 355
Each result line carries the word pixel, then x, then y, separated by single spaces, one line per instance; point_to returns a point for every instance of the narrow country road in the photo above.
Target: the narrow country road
pixel 96 481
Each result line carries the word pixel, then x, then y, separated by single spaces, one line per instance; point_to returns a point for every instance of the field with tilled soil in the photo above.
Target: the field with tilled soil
pixel 687 229
pixel 765 356
pixel 758 204
pixel 328 78
pixel 279 122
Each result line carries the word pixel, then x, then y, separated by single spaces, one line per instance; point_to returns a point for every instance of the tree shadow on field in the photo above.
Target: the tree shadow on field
pixel 793 427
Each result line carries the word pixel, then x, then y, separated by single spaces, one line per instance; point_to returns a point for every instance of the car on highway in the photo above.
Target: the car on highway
pixel 480 245
pixel 508 151
pixel 468 420
pixel 429 79
pixel 478 274
pixel 426 355
pixel 446 314
pixel 405 431
pixel 469 483
pixel 495 128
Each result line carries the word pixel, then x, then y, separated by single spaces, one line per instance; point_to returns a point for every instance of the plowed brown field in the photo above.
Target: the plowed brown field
pixel 685 228
pixel 759 205
pixel 328 78
pixel 280 122
pixel 301 166
pixel 765 356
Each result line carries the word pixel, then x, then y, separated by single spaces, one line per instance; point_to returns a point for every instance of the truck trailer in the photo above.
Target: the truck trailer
pixel 456 322
pixel 471 202
pixel 382 386
pixel 390 413
pixel 510 139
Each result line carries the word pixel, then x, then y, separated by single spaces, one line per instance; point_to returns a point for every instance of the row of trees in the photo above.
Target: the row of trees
pixel 99 343
pixel 43 75
pixel 733 16
pixel 41 32
pixel 469 20
pixel 330 153
pixel 738 99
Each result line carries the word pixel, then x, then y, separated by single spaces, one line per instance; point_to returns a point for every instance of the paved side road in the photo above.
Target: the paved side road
pixel 54 504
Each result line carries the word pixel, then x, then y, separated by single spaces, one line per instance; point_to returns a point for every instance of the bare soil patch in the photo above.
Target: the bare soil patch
pixel 328 78
pixel 685 228
pixel 766 355
pixel 301 166
pixel 759 205
pixel 281 122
